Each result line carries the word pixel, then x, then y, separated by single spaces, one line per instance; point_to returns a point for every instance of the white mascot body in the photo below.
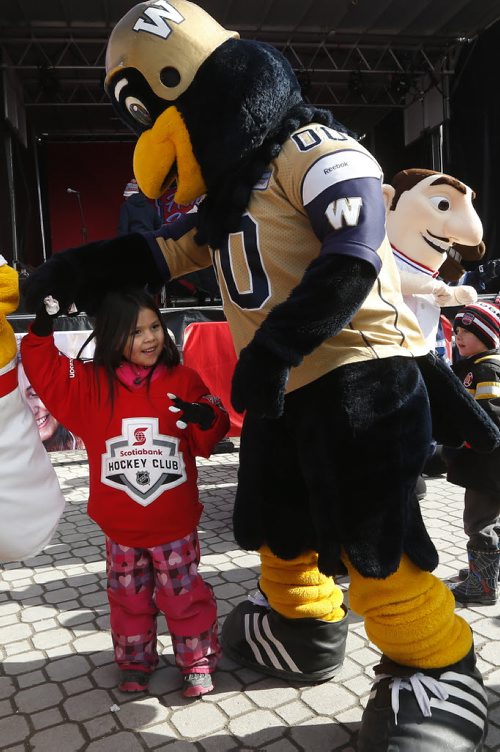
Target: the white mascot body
pixel 31 502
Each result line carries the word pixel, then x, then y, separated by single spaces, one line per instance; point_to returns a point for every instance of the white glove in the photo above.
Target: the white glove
pixel 465 294
pixel 443 294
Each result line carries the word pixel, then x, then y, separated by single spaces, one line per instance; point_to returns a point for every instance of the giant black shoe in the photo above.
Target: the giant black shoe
pixel 306 650
pixel 436 710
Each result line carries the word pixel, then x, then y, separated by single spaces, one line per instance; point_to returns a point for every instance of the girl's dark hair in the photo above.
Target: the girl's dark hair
pixel 113 322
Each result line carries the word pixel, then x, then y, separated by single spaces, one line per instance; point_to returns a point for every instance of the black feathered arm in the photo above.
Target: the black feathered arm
pixel 332 290
pixel 456 416
pixel 83 275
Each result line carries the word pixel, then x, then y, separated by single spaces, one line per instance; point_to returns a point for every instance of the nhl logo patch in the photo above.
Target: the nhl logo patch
pixel 468 379
pixel 467 318
pixel 142 478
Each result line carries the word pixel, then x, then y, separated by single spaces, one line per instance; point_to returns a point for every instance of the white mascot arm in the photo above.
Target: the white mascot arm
pixel 31 501
pixel 416 284
pixel 444 295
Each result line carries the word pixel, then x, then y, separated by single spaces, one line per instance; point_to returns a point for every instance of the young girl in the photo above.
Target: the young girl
pixel 143 418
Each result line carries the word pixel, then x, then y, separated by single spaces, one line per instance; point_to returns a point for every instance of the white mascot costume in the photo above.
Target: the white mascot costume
pixel 31 501
pixel 428 214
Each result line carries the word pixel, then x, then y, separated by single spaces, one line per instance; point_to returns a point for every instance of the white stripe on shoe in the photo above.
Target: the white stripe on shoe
pixel 279 646
pixel 459 710
pixel 261 639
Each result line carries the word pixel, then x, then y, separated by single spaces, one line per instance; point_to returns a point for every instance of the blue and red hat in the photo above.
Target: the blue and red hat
pixel 483 320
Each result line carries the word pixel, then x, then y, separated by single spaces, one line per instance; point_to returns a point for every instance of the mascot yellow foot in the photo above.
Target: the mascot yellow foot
pixel 31 501
pixel 297 629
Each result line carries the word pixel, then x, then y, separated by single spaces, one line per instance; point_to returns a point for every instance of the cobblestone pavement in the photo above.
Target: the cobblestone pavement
pixel 57 680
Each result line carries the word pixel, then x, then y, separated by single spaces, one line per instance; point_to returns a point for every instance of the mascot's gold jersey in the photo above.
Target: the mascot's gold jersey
pixel 322 195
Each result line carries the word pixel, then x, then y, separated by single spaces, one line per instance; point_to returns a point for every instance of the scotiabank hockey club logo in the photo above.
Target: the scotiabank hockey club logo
pixel 142 462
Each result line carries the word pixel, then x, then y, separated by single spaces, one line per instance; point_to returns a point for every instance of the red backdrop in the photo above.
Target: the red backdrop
pixel 100 172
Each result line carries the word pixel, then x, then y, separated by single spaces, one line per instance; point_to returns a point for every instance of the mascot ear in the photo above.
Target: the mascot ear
pixel 388 192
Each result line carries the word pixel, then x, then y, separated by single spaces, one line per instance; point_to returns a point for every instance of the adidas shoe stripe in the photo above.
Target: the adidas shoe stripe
pixel 458 710
pixel 259 636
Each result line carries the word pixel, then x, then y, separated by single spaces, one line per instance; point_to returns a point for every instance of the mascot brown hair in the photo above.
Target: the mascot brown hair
pixel 333 371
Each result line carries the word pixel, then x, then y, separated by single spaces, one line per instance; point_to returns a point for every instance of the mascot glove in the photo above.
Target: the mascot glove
pixel 43 325
pixel 84 275
pixel 259 382
pixel 57 278
pixel 192 412
pixel 465 294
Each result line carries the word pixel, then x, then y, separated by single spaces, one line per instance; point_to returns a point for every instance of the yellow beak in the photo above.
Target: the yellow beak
pixel 164 153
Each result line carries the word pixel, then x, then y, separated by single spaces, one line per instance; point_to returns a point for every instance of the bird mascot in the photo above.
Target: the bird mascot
pixel 31 501
pixel 333 372
pixel 430 216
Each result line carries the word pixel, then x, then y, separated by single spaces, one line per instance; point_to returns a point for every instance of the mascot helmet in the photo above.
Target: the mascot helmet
pixel 177 33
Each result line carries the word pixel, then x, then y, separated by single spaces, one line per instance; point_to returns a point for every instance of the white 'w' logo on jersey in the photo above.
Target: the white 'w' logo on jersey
pixel 345 210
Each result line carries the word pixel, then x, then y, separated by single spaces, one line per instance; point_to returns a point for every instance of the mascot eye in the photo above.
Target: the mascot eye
pixel 138 111
pixel 441 202
pixel 170 77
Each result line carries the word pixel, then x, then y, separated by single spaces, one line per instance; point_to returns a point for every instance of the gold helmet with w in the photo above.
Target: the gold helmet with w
pixel 166 41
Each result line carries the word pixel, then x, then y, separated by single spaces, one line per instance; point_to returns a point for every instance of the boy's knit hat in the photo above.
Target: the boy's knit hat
pixel 131 188
pixel 483 320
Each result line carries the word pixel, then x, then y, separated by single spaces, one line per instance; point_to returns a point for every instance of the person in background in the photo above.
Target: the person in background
pixel 485 278
pixel 54 436
pixel 477 338
pixel 143 418
pixel 137 214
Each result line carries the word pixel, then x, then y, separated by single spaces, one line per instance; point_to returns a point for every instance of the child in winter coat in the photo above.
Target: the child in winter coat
pixel 143 418
pixel 477 329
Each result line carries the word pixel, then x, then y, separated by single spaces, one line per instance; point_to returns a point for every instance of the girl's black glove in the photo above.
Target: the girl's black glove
pixel 192 412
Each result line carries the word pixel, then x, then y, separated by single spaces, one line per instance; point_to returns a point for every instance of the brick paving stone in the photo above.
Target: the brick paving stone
pixel 31 680
pixel 294 712
pixel 87 705
pixel 14 632
pixel 328 699
pixel 176 746
pixel 45 718
pixel 198 719
pixel 14 648
pixel 272 693
pixel 122 742
pixel 236 705
pixel 54 638
pixel 32 699
pixel 262 725
pixel 5 708
pixel 102 726
pixel 157 734
pixel 282 745
pixel 7 687
pixel 6 621
pixel 320 734
pixel 141 712
pixel 91 642
pixel 13 730
pixel 218 743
